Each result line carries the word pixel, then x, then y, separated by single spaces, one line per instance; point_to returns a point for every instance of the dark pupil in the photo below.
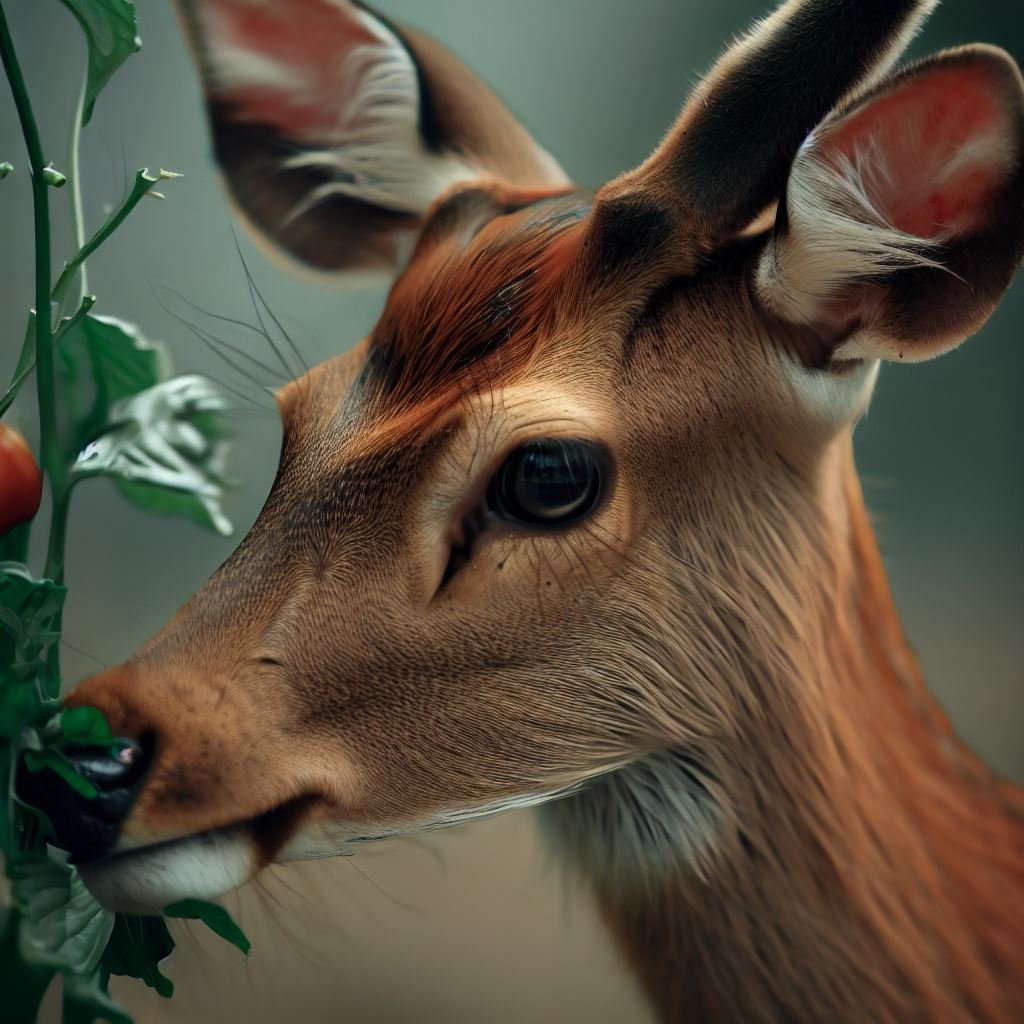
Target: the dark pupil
pixel 549 481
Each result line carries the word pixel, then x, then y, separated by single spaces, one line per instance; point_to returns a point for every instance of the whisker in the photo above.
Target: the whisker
pixel 425 845
pixel 280 879
pixel 212 346
pixel 85 654
pixel 270 371
pixel 257 299
pixel 388 896
pixel 212 343
pixel 298 940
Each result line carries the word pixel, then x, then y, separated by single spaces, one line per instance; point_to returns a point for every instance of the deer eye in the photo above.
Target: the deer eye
pixel 548 483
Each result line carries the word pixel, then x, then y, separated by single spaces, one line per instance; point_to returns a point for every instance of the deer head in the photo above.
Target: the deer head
pixel 553 517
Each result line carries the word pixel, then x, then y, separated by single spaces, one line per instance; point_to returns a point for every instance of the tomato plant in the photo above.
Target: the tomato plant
pixel 108 406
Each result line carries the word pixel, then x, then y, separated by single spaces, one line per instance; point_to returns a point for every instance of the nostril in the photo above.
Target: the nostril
pixel 88 826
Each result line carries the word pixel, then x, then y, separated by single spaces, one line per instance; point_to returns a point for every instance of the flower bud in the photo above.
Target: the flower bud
pixel 54 178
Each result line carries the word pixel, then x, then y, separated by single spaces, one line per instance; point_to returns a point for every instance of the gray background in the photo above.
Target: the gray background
pixel 475 924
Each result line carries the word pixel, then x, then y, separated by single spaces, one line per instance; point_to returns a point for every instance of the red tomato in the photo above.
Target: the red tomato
pixel 21 483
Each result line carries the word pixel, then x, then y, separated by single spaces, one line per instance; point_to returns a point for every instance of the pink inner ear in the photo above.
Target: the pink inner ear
pixel 284 64
pixel 931 152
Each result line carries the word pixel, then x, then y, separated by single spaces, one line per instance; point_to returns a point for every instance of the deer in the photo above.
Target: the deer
pixel 578 525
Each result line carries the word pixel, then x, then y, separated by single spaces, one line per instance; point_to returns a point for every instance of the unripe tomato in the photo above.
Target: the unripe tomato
pixel 21 483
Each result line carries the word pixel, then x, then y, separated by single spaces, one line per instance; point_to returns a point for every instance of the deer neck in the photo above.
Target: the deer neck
pixel 840 855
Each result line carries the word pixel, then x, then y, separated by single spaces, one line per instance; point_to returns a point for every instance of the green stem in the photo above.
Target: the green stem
pixel 67 323
pixel 50 449
pixel 26 364
pixel 26 361
pixel 14 543
pixel 142 184
pixel 74 171
pixel 55 556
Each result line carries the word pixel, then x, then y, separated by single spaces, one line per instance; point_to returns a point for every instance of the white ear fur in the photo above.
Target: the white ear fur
pixel 907 180
pixel 377 154
pixel 367 142
pixel 838 232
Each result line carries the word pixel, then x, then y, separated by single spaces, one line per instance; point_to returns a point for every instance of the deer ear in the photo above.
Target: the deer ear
pixel 336 129
pixel 903 218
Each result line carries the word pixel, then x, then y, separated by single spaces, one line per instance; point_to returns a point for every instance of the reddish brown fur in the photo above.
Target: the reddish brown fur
pixel 872 862
pixel 807 840
pixel 475 309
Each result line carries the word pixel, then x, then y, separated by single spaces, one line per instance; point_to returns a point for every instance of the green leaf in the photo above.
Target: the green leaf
pixel 114 357
pixel 62 926
pixel 30 612
pixel 215 917
pixel 136 947
pixel 112 35
pixel 22 985
pixel 85 1001
pixel 161 440
pixel 85 726
pixel 165 451
pixel 38 760
pixel 158 501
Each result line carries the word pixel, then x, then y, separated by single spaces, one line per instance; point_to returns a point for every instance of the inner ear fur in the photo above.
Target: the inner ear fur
pixel 903 218
pixel 337 129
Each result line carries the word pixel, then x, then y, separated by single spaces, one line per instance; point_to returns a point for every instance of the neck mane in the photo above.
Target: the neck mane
pixel 842 857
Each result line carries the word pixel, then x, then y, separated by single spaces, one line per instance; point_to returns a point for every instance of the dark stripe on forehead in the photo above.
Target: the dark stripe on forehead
pixel 627 232
pixel 475 300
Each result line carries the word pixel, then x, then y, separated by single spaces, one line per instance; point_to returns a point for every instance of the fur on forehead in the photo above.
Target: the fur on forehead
pixel 479 296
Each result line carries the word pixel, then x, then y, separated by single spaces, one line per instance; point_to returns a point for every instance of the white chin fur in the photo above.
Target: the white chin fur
pixel 144 881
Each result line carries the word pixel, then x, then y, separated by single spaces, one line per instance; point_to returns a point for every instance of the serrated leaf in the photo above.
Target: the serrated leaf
pixel 161 440
pixel 137 946
pixel 112 35
pixel 215 917
pixel 62 926
pixel 30 612
pixel 85 726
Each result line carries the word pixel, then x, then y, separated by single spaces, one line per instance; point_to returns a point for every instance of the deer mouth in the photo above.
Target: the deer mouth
pixel 144 879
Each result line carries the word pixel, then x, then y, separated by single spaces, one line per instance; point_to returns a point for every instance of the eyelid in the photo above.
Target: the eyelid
pixel 514 508
pixel 481 478
pixel 472 517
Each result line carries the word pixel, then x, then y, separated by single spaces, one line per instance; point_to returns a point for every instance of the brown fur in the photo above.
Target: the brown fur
pixel 709 670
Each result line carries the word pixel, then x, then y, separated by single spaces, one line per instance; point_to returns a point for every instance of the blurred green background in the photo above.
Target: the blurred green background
pixel 488 931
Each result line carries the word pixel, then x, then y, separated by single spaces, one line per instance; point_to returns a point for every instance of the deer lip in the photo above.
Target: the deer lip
pixel 145 879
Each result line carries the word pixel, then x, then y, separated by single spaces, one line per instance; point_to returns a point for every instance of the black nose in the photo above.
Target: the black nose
pixel 87 826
